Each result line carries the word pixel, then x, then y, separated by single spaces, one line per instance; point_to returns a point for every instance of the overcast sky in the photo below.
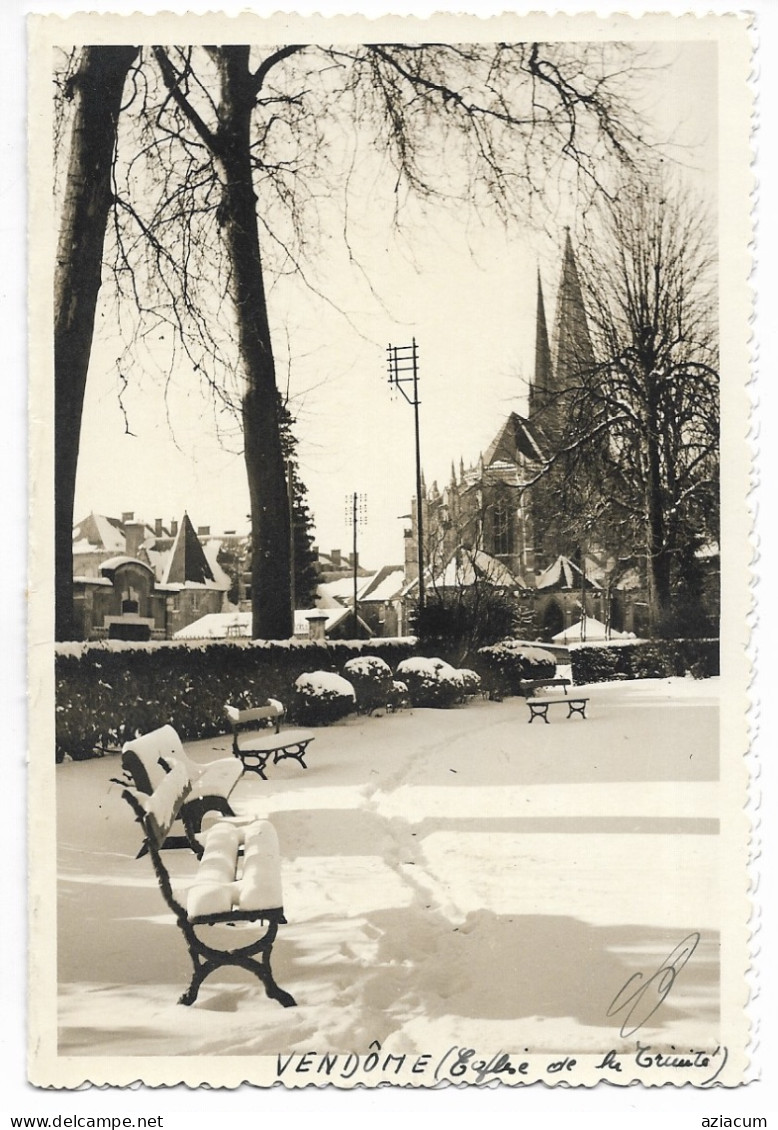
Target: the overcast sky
pixel 465 288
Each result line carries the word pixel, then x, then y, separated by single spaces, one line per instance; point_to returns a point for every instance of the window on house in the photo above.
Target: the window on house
pixel 130 602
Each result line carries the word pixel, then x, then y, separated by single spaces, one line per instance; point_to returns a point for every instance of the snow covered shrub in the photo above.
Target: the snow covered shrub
pixel 431 682
pixel 398 695
pixel 504 665
pixel 471 682
pixel 321 697
pixel 371 678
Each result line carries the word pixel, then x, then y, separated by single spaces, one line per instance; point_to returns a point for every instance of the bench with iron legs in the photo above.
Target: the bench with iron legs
pixel 256 749
pixel 146 761
pixel 237 885
pixel 539 707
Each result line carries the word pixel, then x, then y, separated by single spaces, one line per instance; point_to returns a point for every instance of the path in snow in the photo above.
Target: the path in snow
pixel 450 877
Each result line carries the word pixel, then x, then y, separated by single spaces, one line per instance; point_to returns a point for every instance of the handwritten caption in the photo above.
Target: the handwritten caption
pixel 466 1065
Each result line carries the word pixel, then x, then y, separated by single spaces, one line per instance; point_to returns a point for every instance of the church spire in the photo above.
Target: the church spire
pixel 572 344
pixel 543 377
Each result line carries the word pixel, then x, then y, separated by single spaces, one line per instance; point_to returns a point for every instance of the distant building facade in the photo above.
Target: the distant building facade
pixel 136 581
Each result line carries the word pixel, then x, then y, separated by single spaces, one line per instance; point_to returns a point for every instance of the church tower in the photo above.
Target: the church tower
pixel 557 374
pixel 573 351
pixel 542 382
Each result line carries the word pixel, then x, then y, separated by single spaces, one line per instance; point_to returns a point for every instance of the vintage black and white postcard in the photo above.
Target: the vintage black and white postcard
pixel 390 550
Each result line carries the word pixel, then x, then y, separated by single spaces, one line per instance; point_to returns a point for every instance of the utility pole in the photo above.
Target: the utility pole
pixel 356 515
pixel 404 359
pixel 290 498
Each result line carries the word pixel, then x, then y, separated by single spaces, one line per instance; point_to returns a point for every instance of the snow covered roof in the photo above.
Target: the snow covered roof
pixel 332 617
pixel 593 630
pixel 217 626
pixel 188 563
pixel 335 594
pixel 564 574
pixel 114 563
pixel 466 567
pixel 385 585
pixel 98 532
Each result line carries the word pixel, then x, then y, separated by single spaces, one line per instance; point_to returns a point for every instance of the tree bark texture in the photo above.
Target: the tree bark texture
pixel 97 89
pixel 270 559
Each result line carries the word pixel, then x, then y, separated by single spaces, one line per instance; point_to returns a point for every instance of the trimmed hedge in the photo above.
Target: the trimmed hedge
pixel 654 659
pixel 504 666
pixel 108 692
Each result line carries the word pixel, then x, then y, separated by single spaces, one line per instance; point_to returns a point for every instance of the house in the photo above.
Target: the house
pixel 138 581
pixel 380 601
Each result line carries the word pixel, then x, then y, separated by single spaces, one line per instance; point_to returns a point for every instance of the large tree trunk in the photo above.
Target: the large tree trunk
pixel 270 558
pixel 97 89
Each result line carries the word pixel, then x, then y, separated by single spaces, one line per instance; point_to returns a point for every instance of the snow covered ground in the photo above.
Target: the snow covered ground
pixel 451 877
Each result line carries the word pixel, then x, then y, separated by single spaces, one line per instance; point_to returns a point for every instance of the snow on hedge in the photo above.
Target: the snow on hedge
pixel 324 684
pixel 369 667
pixel 431 681
pixel 423 667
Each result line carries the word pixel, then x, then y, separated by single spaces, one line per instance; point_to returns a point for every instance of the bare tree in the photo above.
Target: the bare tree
pixel 226 161
pixel 641 451
pixel 95 89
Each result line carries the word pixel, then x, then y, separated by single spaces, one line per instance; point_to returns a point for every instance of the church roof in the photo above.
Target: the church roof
pixel 513 443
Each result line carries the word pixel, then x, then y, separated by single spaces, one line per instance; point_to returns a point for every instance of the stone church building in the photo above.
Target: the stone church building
pixel 499 520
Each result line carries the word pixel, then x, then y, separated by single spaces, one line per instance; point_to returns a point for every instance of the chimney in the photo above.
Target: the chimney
pixel 203 531
pixel 335 555
pixel 174 527
pixel 128 516
pixel 157 527
pixel 316 623
pixel 133 537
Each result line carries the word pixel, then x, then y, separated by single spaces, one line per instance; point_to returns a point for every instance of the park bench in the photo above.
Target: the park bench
pixel 539 707
pixel 146 761
pixel 255 749
pixel 529 686
pixel 237 885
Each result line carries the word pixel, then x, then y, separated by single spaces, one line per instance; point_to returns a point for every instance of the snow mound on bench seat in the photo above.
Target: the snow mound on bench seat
pixel 228 880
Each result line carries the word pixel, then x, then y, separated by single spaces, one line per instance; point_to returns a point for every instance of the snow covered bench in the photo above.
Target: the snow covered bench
pixel 146 761
pixel 254 750
pixel 529 686
pixel 238 884
pixel 539 707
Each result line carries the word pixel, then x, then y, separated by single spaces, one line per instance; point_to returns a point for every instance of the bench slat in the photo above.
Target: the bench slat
pixel 269 743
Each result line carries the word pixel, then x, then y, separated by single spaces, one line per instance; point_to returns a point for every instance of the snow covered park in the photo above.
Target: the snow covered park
pixel 451 877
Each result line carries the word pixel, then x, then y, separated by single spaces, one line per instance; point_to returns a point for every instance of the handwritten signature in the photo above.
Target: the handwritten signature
pixel 641 996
